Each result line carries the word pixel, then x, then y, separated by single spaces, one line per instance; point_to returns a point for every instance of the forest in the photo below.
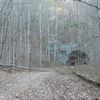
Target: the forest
pixel 51 34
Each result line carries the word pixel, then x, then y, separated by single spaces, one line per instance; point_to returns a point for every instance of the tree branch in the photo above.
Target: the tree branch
pixel 88 4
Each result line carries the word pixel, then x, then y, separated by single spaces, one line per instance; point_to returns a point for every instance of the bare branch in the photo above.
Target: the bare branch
pixel 88 4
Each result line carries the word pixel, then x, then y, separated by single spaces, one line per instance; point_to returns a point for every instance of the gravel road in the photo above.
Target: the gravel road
pixel 48 85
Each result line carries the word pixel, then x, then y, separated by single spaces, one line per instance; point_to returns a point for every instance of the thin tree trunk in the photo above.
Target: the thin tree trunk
pixel 40 23
pixel 48 41
pixel 28 37
pixel 55 47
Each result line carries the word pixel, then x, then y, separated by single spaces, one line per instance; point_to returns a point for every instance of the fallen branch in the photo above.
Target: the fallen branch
pixel 19 68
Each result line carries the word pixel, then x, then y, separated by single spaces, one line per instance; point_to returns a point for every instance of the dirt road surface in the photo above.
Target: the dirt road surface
pixel 48 85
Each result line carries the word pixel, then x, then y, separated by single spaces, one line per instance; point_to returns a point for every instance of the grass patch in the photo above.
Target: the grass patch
pixel 88 72
pixel 63 70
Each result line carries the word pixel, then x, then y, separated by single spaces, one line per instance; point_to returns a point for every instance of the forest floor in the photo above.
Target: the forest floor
pixel 48 85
